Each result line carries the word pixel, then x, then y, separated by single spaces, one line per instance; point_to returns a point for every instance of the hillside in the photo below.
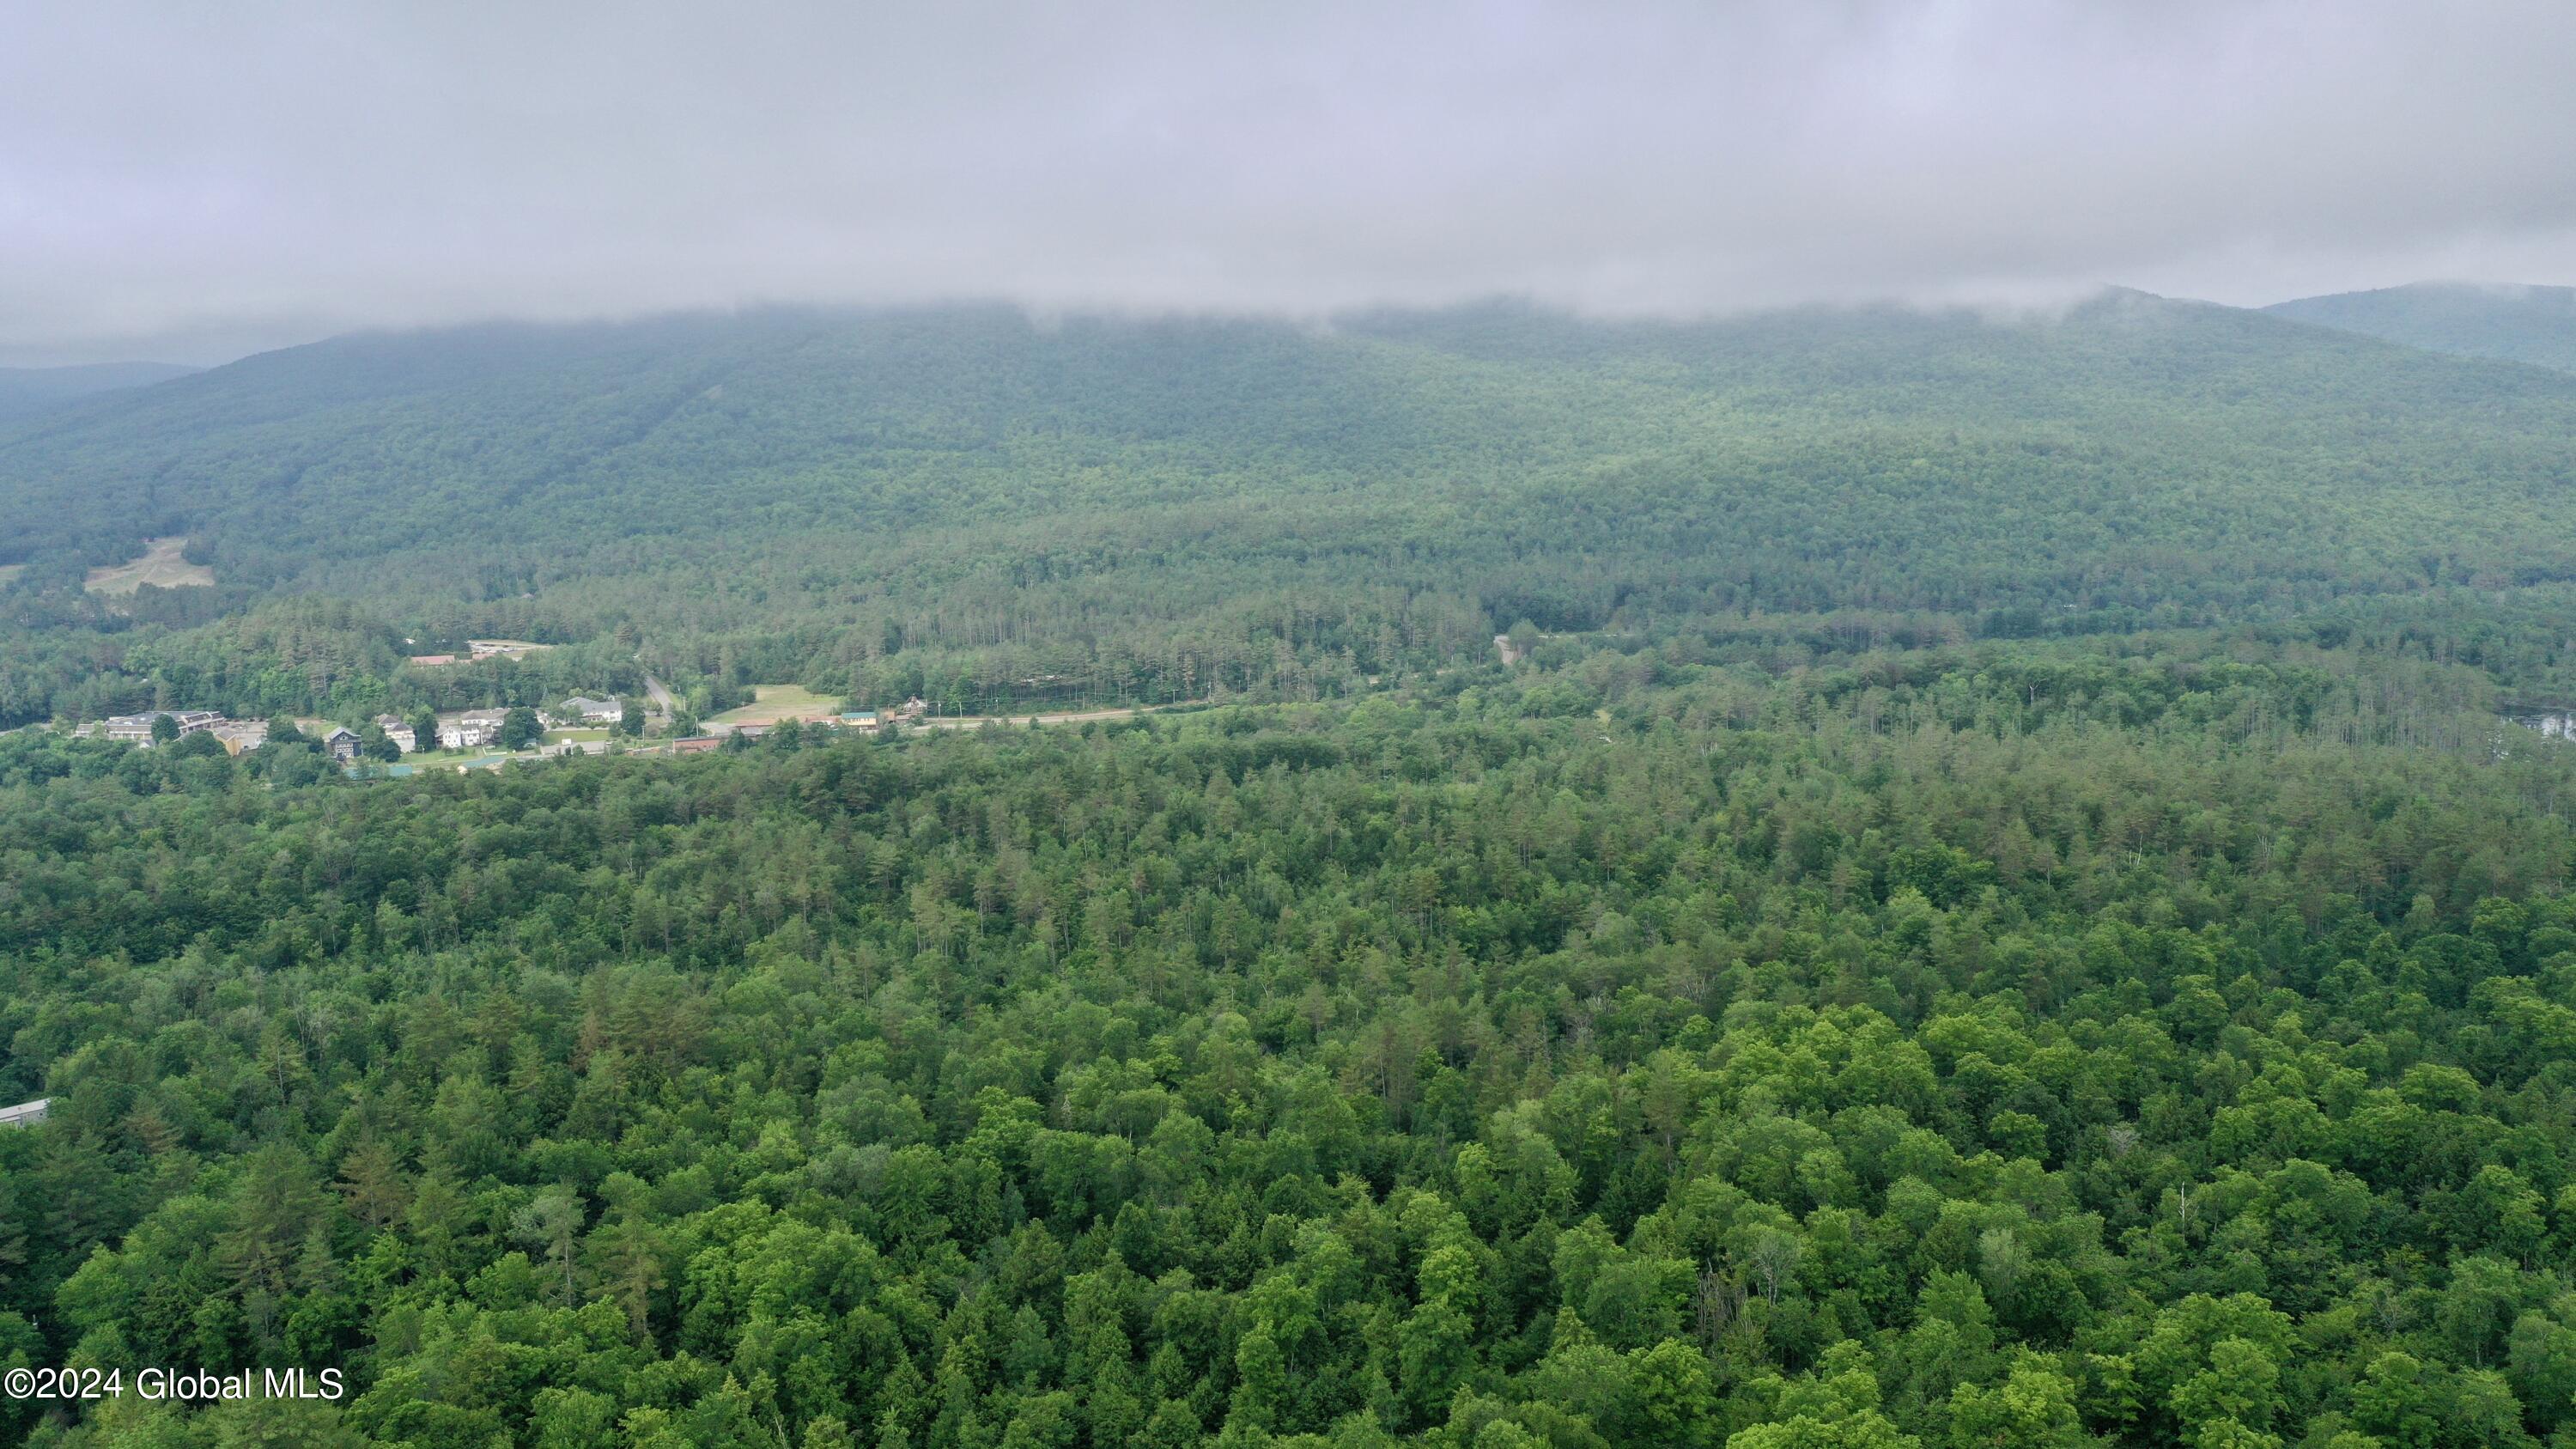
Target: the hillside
pixel 957 499
pixel 27 391
pixel 2517 324
pixel 1997 908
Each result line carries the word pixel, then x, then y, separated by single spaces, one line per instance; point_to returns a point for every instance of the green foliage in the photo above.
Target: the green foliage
pixel 1974 1058
pixel 520 728
pixel 969 506
pixel 1991 905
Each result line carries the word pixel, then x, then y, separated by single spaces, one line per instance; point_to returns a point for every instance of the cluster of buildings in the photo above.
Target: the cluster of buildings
pixel 460 730
pixel 481 728
pixel 237 735
pixel 475 728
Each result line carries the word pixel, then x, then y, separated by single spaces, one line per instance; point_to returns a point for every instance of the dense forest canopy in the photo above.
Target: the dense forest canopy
pixel 957 501
pixel 1989 897
pixel 2008 1047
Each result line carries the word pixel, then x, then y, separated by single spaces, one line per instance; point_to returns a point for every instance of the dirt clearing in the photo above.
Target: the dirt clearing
pixel 160 565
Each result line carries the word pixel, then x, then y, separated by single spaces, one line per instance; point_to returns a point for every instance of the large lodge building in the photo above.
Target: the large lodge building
pixel 137 728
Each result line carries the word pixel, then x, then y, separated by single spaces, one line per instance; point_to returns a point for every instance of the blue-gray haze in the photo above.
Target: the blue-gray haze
pixel 190 181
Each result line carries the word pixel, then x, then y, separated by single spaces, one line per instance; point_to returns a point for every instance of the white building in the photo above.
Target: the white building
pixel 398 732
pixel 587 710
pixel 473 728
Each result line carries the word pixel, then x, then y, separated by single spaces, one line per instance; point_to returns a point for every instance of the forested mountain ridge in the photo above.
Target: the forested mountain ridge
pixel 2519 324
pixel 955 499
pixel 708 421
pixel 25 391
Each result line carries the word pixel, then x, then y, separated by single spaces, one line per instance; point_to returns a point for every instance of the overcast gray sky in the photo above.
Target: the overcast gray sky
pixel 192 181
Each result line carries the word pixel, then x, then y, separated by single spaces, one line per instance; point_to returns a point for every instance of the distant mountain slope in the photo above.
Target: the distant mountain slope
pixel 841 486
pixel 25 391
pixel 2518 324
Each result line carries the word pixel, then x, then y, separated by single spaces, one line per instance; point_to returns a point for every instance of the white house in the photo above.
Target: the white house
pixel 587 710
pixel 398 732
pixel 472 728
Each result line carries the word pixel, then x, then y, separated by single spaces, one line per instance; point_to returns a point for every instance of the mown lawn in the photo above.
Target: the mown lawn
pixel 774 702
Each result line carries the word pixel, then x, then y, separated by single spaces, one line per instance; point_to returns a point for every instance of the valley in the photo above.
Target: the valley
pixel 1478 878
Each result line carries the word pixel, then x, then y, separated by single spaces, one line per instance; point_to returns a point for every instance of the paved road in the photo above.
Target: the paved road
pixel 660 694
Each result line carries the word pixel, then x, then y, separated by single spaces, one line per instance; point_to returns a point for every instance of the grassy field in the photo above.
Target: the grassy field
pixel 509 648
pixel 160 564
pixel 774 702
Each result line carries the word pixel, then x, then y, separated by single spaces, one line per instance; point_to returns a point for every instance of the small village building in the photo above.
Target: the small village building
pixel 696 744
pixel 471 729
pixel 398 732
pixel 342 742
pixel 241 734
pixel 587 710
pixel 26 1114
pixel 431 661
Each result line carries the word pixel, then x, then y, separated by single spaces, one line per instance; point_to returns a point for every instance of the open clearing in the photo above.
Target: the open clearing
pixel 503 648
pixel 775 702
pixel 771 703
pixel 160 565
pixel 978 721
pixel 10 571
